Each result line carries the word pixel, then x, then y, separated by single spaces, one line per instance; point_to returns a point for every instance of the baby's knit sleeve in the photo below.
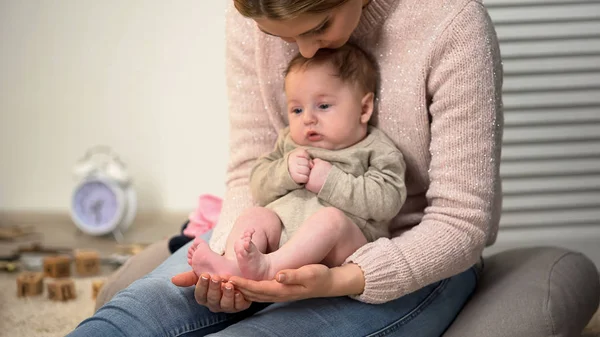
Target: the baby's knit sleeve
pixel 376 195
pixel 270 178
pixel 251 134
pixel 464 194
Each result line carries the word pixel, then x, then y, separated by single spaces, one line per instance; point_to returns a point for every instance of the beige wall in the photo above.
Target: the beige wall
pixel 143 76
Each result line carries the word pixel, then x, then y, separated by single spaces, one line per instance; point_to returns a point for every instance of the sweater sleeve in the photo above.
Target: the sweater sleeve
pixel 270 179
pixel 376 195
pixel 464 195
pixel 251 134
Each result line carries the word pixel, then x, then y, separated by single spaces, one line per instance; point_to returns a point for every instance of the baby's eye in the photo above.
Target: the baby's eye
pixel 296 111
pixel 324 106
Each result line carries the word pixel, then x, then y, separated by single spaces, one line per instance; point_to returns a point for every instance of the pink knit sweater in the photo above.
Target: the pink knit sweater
pixel 439 101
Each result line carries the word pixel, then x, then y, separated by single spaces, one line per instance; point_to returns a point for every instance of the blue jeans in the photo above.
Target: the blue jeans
pixel 153 306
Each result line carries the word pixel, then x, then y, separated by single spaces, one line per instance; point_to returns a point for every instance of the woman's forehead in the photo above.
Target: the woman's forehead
pixel 299 26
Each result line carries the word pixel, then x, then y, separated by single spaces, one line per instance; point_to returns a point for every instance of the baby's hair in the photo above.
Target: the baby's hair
pixel 351 64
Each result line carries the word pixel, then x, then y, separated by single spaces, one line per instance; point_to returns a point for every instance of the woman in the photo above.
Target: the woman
pixel 439 101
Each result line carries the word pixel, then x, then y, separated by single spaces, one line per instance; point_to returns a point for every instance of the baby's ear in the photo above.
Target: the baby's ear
pixel 367 103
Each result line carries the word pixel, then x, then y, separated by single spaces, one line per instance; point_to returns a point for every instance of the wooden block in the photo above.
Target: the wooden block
pixel 30 284
pixel 87 263
pixel 96 286
pixel 9 266
pixel 61 289
pixel 57 266
pixel 13 232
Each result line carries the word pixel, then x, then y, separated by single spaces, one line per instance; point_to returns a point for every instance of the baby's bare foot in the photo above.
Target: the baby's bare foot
pixel 204 260
pixel 192 249
pixel 253 264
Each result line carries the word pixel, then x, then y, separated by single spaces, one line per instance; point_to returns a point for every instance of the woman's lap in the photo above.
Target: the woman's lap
pixel 153 306
pixel 426 312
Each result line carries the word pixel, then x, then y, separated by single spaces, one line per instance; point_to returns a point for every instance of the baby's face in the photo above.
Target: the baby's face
pixel 324 111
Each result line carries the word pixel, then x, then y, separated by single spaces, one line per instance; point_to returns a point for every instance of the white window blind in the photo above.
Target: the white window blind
pixel 551 153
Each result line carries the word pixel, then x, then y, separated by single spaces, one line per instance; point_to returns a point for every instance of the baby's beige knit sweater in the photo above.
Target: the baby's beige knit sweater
pixel 439 101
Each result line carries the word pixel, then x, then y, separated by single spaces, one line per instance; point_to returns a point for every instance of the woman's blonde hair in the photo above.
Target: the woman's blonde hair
pixel 284 9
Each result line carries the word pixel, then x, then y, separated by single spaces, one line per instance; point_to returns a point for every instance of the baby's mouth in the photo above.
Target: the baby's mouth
pixel 313 136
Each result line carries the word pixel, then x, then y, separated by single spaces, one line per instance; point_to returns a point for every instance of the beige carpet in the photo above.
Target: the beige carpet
pixel 39 316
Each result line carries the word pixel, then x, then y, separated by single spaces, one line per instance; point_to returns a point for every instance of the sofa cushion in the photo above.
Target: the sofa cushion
pixel 531 292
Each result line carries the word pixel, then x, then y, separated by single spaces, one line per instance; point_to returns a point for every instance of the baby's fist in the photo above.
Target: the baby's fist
pixel 299 163
pixel 318 174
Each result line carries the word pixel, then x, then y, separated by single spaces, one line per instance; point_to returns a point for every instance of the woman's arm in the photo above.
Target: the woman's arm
pixel 251 134
pixel 464 195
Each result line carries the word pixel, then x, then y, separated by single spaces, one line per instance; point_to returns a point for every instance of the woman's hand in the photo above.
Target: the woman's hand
pixel 310 281
pixel 214 292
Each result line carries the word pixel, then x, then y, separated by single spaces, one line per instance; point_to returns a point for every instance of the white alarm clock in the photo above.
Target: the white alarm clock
pixel 104 200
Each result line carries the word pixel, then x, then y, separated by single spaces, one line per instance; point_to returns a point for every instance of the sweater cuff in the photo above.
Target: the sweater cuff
pixel 330 183
pixel 381 276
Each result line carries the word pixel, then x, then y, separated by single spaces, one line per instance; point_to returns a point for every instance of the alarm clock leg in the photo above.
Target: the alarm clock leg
pixel 118 235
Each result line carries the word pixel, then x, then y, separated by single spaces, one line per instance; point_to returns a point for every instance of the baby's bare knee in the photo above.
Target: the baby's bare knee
pixel 259 216
pixel 256 213
pixel 334 218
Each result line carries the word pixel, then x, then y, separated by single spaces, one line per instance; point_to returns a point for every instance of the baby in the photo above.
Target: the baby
pixel 332 183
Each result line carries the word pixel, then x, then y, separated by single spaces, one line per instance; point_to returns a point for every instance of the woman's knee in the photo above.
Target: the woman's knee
pixel 143 306
pixel 135 268
pixel 151 291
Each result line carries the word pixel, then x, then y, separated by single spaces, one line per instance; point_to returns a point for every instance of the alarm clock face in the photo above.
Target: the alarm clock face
pixel 96 205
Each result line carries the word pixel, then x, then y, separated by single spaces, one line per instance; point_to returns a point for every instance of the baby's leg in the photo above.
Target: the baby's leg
pixel 261 234
pixel 267 230
pixel 204 260
pixel 328 236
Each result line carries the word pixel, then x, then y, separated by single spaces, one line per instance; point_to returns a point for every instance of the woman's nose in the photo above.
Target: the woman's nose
pixel 307 47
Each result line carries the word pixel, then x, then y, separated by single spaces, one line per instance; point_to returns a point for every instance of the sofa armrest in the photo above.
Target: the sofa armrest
pixel 532 292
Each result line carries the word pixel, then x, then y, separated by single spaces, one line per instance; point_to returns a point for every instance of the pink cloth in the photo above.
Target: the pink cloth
pixel 205 216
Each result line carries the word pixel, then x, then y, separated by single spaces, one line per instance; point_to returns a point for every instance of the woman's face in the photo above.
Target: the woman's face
pixel 314 31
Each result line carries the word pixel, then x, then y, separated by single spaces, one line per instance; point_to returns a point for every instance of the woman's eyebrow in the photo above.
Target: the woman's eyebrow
pixel 310 31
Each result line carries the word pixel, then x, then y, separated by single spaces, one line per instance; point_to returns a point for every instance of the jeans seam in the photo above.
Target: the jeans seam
pixel 188 328
pixel 216 320
pixel 413 313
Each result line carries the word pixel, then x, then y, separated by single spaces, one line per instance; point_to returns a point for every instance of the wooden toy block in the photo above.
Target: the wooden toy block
pixel 61 289
pixel 30 284
pixel 87 263
pixel 37 247
pixel 96 286
pixel 57 266
pixel 9 266
pixel 13 232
